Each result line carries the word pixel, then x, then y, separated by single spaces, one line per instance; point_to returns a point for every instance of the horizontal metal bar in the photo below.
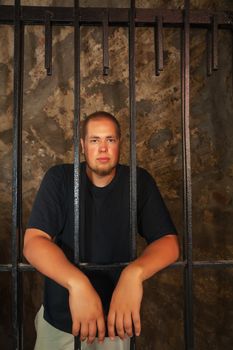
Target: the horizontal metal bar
pixel 196 264
pixel 117 16
pixel 215 264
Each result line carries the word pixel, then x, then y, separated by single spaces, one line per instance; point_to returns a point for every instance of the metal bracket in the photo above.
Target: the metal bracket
pixel 105 43
pixel 48 42
pixel 158 44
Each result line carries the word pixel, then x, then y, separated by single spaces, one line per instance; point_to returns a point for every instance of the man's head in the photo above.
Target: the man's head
pixel 96 116
pixel 100 140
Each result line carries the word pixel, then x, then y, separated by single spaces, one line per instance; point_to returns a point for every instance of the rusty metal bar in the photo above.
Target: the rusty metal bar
pixel 105 44
pixel 215 42
pixel 22 267
pixel 188 273
pixel 94 15
pixel 77 342
pixel 48 42
pixel 133 151
pixel 209 60
pixel 17 181
pixel 159 45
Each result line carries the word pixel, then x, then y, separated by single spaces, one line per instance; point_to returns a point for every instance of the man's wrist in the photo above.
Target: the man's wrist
pixel 78 279
pixel 134 270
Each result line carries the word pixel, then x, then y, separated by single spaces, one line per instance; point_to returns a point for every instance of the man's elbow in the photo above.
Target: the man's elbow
pixel 176 248
pixel 26 244
pixel 30 243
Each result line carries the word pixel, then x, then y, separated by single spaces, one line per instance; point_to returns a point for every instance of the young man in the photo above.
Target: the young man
pixel 102 307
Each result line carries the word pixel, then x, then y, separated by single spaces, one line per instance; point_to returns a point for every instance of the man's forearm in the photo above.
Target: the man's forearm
pixel 156 257
pixel 50 260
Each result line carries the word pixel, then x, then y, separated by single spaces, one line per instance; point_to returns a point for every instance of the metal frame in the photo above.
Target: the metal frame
pixel 19 16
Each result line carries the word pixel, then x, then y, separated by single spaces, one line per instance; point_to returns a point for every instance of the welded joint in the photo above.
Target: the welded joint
pixel 48 42
pixel 158 44
pixel 105 42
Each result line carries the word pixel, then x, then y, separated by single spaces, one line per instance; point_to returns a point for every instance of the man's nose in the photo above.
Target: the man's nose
pixel 103 146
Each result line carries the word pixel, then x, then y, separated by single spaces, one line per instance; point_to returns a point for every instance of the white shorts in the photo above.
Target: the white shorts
pixel 51 338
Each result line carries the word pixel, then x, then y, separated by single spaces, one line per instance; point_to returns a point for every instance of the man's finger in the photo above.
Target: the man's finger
pixel 136 322
pixel 84 331
pixel 101 329
pixel 128 324
pixel 75 328
pixel 119 325
pixel 111 324
pixel 91 332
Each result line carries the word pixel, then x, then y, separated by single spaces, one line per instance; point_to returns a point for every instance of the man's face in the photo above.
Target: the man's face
pixel 101 146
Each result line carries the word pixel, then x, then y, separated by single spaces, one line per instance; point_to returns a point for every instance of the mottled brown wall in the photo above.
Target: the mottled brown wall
pixel 48 138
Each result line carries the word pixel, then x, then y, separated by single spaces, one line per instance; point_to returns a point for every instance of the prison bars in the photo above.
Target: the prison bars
pixel 187 184
pixel 16 237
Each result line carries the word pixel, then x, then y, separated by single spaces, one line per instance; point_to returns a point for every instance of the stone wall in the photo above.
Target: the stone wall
pixel 48 140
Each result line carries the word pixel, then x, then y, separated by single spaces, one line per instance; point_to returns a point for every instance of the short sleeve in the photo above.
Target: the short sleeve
pixel 48 212
pixel 154 220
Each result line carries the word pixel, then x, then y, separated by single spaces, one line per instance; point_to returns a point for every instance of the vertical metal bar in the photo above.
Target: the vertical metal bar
pixel 133 153
pixel 17 179
pixel 105 44
pixel 48 43
pixel 159 44
pixel 188 309
pixel 77 343
pixel 215 42
pixel 209 52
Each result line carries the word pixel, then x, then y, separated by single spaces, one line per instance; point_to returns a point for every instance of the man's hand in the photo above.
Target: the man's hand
pixel 85 304
pixel 87 312
pixel 124 312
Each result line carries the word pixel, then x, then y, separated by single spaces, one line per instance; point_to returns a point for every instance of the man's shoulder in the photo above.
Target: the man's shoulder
pixel 60 169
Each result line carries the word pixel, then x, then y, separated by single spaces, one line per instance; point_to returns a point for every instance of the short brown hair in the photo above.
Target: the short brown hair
pixel 99 115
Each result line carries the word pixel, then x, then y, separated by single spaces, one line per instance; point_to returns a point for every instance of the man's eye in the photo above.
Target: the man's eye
pixel 93 140
pixel 111 140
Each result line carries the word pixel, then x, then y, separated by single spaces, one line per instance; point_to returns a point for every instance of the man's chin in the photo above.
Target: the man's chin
pixel 103 172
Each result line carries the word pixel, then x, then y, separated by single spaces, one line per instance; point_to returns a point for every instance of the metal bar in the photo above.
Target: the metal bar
pixel 105 44
pixel 188 309
pixel 77 342
pixel 48 43
pixel 133 152
pixel 145 17
pixel 159 45
pixel 215 42
pixel 196 264
pixel 133 155
pixel 17 181
pixel 209 52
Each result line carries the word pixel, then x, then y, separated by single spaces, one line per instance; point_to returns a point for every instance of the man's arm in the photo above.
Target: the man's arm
pixel 127 296
pixel 85 304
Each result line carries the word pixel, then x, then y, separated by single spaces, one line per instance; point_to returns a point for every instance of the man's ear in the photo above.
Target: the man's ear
pixel 82 146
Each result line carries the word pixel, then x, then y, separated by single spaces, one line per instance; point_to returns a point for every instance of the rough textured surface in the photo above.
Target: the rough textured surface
pixel 48 138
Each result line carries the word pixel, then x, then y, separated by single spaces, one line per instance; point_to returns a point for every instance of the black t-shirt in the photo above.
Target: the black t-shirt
pixel 104 227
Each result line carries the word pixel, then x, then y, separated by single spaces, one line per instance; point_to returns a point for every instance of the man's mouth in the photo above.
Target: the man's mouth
pixel 103 159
